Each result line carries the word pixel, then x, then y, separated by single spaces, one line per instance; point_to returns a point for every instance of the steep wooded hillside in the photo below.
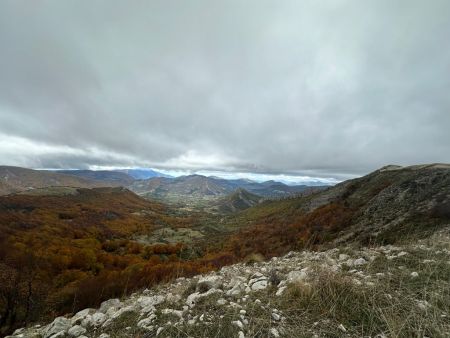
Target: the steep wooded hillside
pixel 382 207
pixel 63 252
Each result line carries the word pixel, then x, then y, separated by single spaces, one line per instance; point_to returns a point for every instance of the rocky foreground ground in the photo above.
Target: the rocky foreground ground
pixel 384 291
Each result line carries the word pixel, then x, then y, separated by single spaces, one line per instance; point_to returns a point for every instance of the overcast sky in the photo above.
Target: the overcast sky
pixel 320 88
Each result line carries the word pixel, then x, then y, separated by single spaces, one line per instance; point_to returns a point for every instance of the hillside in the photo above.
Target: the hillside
pixel 56 251
pixel 273 189
pixel 239 200
pixel 109 177
pixel 381 291
pixel 16 179
pixel 381 207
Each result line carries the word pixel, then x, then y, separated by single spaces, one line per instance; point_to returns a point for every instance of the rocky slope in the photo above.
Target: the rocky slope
pixel 383 291
pixel 397 201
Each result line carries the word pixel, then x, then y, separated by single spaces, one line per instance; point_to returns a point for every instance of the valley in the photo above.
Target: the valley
pixel 62 244
pixel 224 169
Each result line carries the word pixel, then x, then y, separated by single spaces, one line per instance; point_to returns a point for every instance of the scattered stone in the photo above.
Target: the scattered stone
pixel 76 331
pixel 146 322
pixel 208 282
pixel 177 313
pixel 236 289
pixel 296 276
pixel 342 328
pixel 18 331
pixel 80 315
pixel 98 318
pixel 193 298
pixel 274 332
pixel 257 282
pixel 148 303
pixel 414 274
pixel 343 257
pixel 359 262
pixel 60 324
pixel 110 303
pixel 238 323
pixel 259 285
pixel 61 334
pixel 423 305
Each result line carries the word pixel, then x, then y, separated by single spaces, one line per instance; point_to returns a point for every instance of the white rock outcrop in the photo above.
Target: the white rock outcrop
pixel 237 290
pixel 59 326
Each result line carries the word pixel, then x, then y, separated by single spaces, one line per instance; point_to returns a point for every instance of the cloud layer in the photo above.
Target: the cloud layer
pixel 330 89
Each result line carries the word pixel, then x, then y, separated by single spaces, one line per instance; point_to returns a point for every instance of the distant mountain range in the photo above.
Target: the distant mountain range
pixel 143 174
pixel 203 187
pixel 113 178
pixel 145 182
pixel 16 179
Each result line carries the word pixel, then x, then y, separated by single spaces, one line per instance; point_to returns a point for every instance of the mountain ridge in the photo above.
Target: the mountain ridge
pixel 113 178
pixel 18 179
pixel 238 200
pixel 199 186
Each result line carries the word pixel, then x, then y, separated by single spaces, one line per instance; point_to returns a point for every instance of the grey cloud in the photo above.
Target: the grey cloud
pixel 334 88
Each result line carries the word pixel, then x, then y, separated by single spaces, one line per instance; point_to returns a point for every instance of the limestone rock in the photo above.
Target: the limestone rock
pixel 76 331
pixel 208 282
pixel 60 324
pixel 296 276
pixel 106 305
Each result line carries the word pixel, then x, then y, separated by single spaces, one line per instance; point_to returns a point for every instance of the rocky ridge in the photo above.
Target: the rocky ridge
pixel 283 298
